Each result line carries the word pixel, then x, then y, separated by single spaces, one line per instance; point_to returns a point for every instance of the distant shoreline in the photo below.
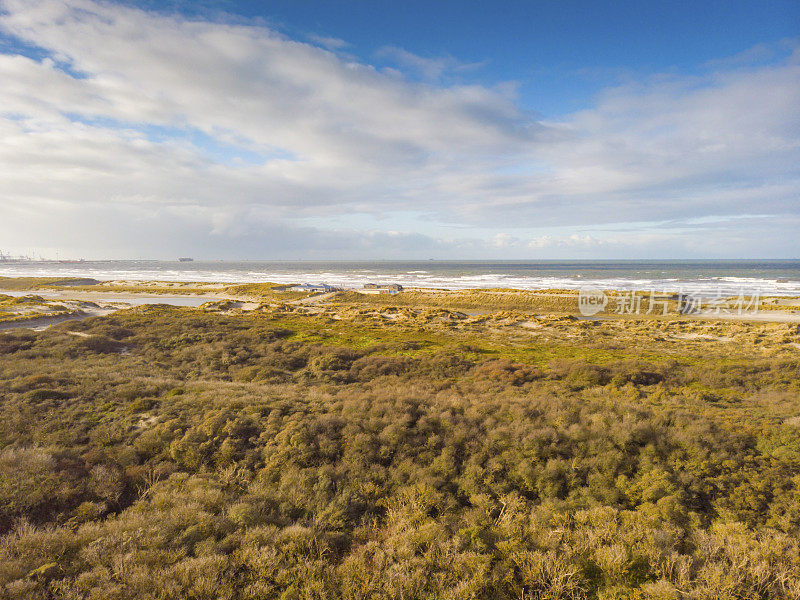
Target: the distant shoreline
pixel 773 277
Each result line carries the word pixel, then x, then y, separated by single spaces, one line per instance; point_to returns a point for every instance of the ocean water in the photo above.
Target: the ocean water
pixel 775 277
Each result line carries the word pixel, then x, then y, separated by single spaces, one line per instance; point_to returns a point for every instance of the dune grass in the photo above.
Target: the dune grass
pixel 332 452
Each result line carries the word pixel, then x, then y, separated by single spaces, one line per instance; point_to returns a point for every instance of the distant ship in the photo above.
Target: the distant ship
pixel 185 259
pixel 71 262
pixel 9 258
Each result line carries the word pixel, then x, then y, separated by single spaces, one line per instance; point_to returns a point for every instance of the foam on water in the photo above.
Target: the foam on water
pixel 710 277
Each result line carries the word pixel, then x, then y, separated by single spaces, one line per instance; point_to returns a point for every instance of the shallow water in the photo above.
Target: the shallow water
pixel 133 300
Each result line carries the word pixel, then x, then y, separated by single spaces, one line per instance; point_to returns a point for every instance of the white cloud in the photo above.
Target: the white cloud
pixel 136 112
pixel 505 240
pixel 431 69
pixel 329 43
pixel 550 241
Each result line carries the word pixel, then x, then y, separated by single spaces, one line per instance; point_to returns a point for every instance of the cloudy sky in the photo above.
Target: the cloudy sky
pixel 371 129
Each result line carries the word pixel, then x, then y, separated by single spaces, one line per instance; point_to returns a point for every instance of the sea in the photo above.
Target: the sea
pixel 765 277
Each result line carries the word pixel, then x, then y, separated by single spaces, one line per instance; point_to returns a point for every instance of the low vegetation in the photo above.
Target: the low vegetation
pixel 267 292
pixel 261 291
pixel 35 283
pixel 470 300
pixel 24 308
pixel 256 289
pixel 365 452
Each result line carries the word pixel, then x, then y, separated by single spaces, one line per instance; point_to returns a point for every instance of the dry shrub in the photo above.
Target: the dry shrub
pixel 579 374
pixel 370 367
pixel 507 372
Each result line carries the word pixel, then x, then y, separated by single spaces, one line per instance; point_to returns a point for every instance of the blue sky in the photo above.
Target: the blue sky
pixel 400 129
pixel 560 52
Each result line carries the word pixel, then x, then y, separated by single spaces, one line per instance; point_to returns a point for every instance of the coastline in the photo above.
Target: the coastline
pixel 108 296
pixel 774 277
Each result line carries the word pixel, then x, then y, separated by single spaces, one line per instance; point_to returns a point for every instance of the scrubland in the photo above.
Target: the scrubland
pixel 379 450
pixel 24 308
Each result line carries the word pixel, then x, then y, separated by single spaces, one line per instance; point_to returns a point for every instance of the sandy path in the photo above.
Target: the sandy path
pixel 42 323
pixel 314 299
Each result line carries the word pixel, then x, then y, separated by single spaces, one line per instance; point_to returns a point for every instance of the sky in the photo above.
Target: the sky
pixel 350 129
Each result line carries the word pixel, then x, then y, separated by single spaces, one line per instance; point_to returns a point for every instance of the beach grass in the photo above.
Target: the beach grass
pixel 313 447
